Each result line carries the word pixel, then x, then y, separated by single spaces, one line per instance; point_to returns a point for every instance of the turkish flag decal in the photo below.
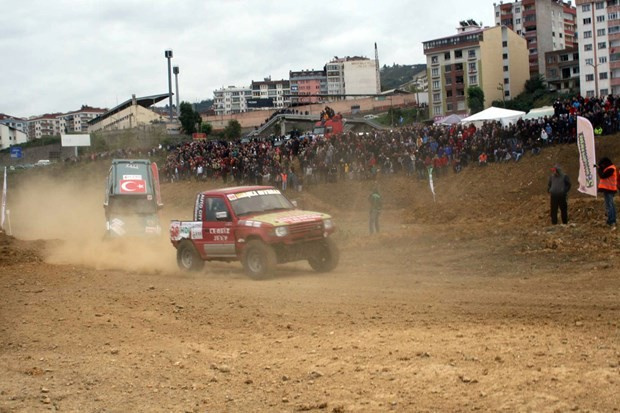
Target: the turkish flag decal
pixel 133 186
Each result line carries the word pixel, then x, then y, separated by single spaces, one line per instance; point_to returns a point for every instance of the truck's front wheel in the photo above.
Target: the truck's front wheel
pixel 188 258
pixel 325 256
pixel 259 259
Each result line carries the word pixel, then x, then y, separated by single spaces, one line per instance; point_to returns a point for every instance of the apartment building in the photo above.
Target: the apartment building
pixel 599 47
pixel 563 70
pixel 307 85
pixel 13 122
pixel 10 136
pixel 231 99
pixel 77 121
pixel 352 76
pixel 276 91
pixel 492 58
pixel 46 125
pixel 546 25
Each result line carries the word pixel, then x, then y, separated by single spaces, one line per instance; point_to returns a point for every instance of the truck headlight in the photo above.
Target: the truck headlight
pixel 281 231
pixel 328 224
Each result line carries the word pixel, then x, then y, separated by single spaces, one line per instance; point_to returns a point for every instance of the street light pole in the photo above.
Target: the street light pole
pixel 168 54
pixel 595 67
pixel 175 70
pixel 500 86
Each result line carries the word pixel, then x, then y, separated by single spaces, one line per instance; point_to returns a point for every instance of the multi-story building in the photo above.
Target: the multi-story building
pixel 492 58
pixel 547 25
pixel 77 121
pixel 563 70
pixel 46 125
pixel 307 86
pixel 351 76
pixel 599 47
pixel 231 100
pixel 10 136
pixel 276 91
pixel 13 122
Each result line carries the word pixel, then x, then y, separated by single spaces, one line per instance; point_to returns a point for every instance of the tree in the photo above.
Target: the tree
pixel 475 99
pixel 206 128
pixel 535 83
pixel 189 119
pixel 232 130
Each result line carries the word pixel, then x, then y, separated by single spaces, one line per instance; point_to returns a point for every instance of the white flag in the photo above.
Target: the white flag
pixel 430 181
pixel 587 157
pixel 3 210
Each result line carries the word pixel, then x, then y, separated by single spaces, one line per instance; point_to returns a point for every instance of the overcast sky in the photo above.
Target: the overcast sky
pixel 60 54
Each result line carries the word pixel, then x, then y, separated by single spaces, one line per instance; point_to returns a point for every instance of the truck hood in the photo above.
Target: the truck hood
pixel 288 217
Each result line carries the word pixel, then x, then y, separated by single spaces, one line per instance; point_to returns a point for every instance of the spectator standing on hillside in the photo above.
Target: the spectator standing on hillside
pixel 375 210
pixel 558 187
pixel 608 185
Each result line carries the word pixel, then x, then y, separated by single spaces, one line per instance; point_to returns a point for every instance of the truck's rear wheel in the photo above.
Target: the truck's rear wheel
pixel 325 256
pixel 259 259
pixel 188 258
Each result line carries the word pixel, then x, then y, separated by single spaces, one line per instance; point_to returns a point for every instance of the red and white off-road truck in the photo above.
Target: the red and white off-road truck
pixel 257 225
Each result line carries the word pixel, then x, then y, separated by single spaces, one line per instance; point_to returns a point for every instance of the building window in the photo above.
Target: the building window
pixel 604 92
pixel 602 75
pixel 435 84
pixel 587 20
pixel 600 19
pixel 473 80
pixel 602 60
pixel 589 61
pixel 446 56
pixel 585 7
pixel 471 53
pixel 505 68
pixel 589 78
pixel 449 107
pixel 449 93
pixel 505 56
pixel 506 81
pixel 448 68
pixel 472 67
pixel 587 34
pixel 602 45
pixel 600 32
pixel 435 72
pixel 587 47
pixel 434 59
pixel 504 43
pixel 437 110
pixel 518 21
pixel 458 54
pixel 436 97
pixel 600 5
pixel 589 93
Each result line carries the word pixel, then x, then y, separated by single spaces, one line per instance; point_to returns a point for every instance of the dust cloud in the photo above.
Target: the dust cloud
pixel 69 215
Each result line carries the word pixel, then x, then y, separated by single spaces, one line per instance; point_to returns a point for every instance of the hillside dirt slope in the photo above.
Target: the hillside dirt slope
pixel 471 302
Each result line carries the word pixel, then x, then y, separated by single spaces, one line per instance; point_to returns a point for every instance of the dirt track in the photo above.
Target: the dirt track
pixel 470 303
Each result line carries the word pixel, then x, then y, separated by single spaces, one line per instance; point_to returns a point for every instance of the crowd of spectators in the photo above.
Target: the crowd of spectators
pixel 410 150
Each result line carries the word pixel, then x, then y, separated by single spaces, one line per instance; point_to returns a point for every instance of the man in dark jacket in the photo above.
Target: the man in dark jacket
pixel 608 185
pixel 558 187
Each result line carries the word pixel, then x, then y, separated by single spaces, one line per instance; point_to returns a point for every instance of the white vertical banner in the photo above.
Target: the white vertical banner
pixel 430 181
pixel 587 157
pixel 3 210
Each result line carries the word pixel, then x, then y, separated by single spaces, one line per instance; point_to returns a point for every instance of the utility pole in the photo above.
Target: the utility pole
pixel 168 55
pixel 175 70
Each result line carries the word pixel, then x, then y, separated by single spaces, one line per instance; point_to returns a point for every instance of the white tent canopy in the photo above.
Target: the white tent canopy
pixel 505 116
pixel 540 112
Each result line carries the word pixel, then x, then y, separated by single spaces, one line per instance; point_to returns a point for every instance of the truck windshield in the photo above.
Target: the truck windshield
pixel 262 200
